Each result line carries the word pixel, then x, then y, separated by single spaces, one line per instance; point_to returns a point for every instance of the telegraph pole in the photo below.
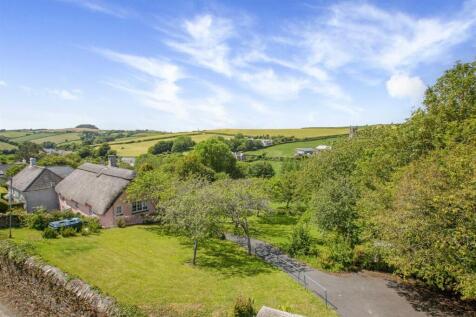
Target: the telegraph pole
pixel 10 208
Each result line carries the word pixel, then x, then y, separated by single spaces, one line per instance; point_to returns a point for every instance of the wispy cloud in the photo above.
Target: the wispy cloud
pixel 163 92
pixel 65 94
pixel 103 7
pixel 3 83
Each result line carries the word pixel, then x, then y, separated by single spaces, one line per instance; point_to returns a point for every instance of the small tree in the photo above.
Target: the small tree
pixel 239 200
pixel 161 147
pixel 182 144
pixel 284 188
pixel 192 212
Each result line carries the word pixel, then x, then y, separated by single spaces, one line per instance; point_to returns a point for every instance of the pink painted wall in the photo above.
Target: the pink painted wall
pixel 109 219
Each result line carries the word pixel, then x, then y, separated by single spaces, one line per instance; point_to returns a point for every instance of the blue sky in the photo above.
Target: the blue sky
pixel 186 65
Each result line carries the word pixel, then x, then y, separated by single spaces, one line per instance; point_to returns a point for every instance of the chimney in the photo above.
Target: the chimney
pixel 112 161
pixel 32 161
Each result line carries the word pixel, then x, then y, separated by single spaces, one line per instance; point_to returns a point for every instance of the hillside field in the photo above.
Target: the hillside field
pixel 153 271
pixel 287 149
pixel 59 138
pixel 142 144
pixel 6 146
pixel 298 133
pixel 13 134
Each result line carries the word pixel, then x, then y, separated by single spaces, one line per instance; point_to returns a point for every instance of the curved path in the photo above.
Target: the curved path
pixel 358 294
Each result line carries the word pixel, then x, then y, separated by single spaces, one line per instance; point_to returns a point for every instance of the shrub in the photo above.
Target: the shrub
pixel 68 232
pixel 3 206
pixel 121 222
pixel 301 241
pixel 50 233
pixel 38 220
pixel 244 307
pixel 92 224
pixel 85 231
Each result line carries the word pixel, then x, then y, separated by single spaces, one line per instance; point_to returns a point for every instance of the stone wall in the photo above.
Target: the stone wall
pixel 48 289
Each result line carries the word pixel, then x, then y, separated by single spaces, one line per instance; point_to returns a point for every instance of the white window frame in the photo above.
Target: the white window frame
pixel 139 206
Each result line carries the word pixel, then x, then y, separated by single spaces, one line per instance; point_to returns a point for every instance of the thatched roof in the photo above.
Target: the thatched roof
pixel 95 185
pixel 29 174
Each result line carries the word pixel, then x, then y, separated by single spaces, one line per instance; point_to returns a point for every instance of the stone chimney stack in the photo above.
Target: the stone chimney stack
pixel 112 161
pixel 32 161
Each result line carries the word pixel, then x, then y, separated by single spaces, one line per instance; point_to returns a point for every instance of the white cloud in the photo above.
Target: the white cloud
pixel 365 36
pixel 163 91
pixel 204 40
pixel 65 94
pixel 99 6
pixel 404 86
pixel 3 83
pixel 150 66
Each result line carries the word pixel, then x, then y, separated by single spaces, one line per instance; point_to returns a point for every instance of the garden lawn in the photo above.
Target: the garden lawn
pixel 288 149
pixel 142 266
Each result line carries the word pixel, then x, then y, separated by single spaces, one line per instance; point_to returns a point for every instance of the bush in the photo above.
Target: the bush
pixel 68 232
pixel 50 233
pixel 301 241
pixel 244 307
pixel 3 206
pixel 92 224
pixel 38 220
pixel 121 222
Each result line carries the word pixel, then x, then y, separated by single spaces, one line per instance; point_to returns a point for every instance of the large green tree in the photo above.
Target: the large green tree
pixel 217 155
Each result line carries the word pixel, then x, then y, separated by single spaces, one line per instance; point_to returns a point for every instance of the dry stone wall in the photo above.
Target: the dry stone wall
pixel 48 289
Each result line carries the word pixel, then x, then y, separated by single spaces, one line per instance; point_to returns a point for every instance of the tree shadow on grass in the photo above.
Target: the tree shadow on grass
pixel 229 260
pixel 222 257
pixel 432 302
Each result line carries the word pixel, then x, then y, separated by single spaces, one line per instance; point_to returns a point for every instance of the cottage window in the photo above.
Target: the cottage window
pixel 139 206
pixel 119 211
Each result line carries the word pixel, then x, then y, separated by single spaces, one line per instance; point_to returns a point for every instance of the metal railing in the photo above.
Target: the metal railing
pixel 268 252
pixel 297 272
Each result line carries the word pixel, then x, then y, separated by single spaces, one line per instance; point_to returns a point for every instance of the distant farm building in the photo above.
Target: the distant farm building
pixel 300 152
pixel 266 142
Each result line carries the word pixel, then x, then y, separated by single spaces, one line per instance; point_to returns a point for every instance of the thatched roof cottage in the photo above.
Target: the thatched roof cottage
pixel 99 191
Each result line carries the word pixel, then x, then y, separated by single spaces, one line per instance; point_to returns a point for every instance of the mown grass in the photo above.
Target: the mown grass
pixel 143 266
pixel 288 149
pixel 298 133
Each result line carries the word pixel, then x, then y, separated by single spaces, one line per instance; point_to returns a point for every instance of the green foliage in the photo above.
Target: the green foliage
pixel 28 149
pixel 301 241
pixel 182 144
pixel 161 147
pixel 190 166
pixel 85 151
pixel 68 232
pixel 103 150
pixel 244 307
pixel 261 169
pixel 399 197
pixel 121 222
pixel 72 160
pixel 49 233
pixel 217 155
pixel 193 211
pixel 14 169
pixel 92 224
